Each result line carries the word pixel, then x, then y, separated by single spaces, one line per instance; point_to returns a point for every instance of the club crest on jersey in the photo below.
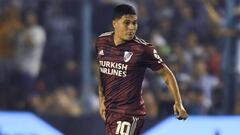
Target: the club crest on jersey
pixel 101 52
pixel 127 56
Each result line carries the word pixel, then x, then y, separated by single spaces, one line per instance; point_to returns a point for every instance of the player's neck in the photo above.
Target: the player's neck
pixel 117 40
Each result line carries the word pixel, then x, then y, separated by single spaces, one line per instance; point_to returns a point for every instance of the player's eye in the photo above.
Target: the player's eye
pixel 134 23
pixel 127 22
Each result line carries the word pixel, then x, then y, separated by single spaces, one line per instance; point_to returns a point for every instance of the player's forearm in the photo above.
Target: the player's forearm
pixel 100 94
pixel 101 102
pixel 171 83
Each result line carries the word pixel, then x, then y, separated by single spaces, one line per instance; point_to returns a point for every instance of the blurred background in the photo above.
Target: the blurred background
pixel 48 66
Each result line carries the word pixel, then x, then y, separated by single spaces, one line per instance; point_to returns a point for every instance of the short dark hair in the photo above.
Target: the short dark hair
pixel 123 9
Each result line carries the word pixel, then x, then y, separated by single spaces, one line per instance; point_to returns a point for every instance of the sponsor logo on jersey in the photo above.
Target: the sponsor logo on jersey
pixel 127 56
pixel 113 68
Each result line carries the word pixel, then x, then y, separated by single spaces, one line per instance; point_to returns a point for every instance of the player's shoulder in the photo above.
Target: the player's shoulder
pixel 141 41
pixel 105 34
pixel 104 38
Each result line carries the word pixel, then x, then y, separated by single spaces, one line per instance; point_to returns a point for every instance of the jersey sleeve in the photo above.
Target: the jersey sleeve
pixel 151 58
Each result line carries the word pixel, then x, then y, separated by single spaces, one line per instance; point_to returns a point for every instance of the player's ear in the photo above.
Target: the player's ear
pixel 114 23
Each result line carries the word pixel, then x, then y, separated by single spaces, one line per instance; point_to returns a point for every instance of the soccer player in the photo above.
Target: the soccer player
pixel 123 59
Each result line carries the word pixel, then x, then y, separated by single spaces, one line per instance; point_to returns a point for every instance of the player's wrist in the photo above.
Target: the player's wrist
pixel 178 103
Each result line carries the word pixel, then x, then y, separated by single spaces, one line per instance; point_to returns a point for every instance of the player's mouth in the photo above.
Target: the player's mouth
pixel 130 33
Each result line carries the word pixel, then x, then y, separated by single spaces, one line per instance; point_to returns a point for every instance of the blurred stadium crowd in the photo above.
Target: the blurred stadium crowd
pixel 40 46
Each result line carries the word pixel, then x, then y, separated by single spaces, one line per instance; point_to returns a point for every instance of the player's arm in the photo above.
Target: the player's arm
pixel 152 60
pixel 101 101
pixel 172 85
pixel 101 97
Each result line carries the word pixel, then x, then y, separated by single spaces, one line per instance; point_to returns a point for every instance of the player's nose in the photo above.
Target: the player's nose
pixel 131 27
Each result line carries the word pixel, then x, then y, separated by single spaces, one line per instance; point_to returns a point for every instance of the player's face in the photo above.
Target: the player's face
pixel 125 27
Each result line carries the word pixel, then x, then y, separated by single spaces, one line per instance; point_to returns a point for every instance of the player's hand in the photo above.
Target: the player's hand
pixel 102 111
pixel 179 111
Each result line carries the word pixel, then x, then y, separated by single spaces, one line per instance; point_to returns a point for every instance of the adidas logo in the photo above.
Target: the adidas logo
pixel 101 52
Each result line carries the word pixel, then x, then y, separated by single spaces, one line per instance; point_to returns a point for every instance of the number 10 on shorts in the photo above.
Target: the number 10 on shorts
pixel 123 128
